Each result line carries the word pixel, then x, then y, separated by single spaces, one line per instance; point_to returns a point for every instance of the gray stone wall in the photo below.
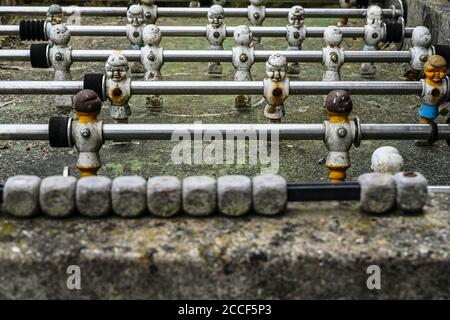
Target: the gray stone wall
pixel 434 14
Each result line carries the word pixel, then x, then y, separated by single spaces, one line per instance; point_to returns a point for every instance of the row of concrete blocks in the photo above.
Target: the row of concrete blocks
pixel 381 192
pixel 133 196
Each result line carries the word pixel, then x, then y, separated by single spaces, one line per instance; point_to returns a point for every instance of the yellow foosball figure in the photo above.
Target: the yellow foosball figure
pixel 435 88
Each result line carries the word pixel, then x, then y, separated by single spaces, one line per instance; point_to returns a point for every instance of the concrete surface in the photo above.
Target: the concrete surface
pixel 299 161
pixel 434 14
pixel 314 251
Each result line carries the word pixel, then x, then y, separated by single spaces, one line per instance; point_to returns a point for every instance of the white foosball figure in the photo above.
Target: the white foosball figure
pixel 243 59
pixel 333 54
pixel 152 60
pixel 216 34
pixel 296 34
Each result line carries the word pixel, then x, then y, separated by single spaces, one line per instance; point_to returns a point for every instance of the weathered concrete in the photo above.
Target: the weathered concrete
pixel 57 196
pixel 411 192
pixel 313 251
pixel 378 192
pixel 434 14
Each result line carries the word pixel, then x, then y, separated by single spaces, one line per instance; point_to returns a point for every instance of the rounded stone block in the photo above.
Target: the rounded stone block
pixel 21 196
pixel 128 196
pixel 269 194
pixel 164 196
pixel 378 192
pixel 93 196
pixel 412 191
pixel 199 195
pixel 57 196
pixel 234 195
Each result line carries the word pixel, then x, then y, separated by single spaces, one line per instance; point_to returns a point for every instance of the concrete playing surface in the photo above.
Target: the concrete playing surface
pixel 314 251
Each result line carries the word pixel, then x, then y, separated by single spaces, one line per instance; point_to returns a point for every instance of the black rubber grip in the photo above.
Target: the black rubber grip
pixel 38 55
pixel 94 82
pixel 57 132
pixel 443 51
pixel 434 135
pixel 394 32
pixel 398 32
pixel 448 139
pixel 389 31
pixel 346 191
pixel 32 30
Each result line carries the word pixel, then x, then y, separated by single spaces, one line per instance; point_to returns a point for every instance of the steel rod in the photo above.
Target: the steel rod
pixel 346 191
pixel 192 31
pixel 23 131
pixel 220 87
pixel 401 131
pixel 165 132
pixel 218 56
pixel 41 87
pixel 262 131
pixel 356 87
pixel 192 12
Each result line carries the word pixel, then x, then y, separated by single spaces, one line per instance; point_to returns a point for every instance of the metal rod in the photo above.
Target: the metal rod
pixel 41 87
pixel 192 31
pixel 218 56
pixel 439 189
pixel 253 131
pixel 356 87
pixel 220 87
pixel 192 12
pixel 262 131
pixel 346 191
pixel 402 131
pixel 24 132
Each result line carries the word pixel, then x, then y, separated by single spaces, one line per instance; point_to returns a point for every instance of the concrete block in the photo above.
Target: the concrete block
pixel 378 192
pixel 164 196
pixel 128 196
pixel 269 194
pixel 21 196
pixel 93 196
pixel 199 195
pixel 412 191
pixel 57 196
pixel 234 195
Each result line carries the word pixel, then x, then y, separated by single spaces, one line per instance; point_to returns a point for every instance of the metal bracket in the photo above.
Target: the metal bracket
pixel 396 6
pixel 69 132
pixel 447 95
pixel 401 41
pixel 434 134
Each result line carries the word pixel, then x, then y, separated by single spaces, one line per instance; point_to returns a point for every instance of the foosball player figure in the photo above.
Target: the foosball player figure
pixel 435 89
pixel 339 135
pixel 216 32
pixel 276 87
pixel 87 132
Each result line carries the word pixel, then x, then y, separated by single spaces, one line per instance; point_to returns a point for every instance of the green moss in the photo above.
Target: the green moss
pixel 136 166
pixel 7 229
pixel 115 168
